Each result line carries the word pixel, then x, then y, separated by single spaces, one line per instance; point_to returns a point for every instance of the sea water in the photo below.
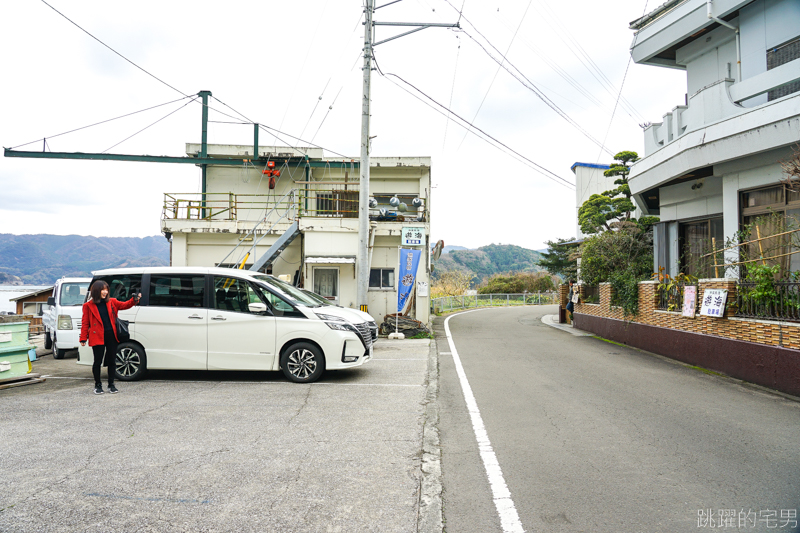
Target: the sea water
pixel 7 292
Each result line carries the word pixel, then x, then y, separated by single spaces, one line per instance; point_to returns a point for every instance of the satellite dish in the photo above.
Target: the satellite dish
pixel 437 250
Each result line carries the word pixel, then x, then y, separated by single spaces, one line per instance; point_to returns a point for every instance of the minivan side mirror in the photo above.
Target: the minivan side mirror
pixel 257 307
pixel 51 301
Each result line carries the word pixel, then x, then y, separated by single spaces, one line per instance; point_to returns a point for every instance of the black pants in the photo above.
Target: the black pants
pixel 109 350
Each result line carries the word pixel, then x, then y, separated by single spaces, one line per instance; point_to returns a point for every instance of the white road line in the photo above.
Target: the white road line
pixel 509 519
pixel 399 359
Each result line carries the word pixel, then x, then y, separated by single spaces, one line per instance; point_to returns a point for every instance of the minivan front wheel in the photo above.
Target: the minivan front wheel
pixel 131 362
pixel 302 362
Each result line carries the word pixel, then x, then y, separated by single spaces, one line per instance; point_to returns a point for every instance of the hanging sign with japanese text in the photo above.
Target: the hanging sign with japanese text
pixel 713 303
pixel 412 236
pixel 409 261
pixel 689 301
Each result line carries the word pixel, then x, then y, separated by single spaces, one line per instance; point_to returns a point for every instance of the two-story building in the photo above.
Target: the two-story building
pixel 713 163
pixel 292 212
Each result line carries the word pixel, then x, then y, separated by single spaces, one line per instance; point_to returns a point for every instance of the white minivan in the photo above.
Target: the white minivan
pixel 202 318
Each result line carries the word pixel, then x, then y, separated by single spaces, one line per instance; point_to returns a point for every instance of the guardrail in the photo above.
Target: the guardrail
pixel 446 304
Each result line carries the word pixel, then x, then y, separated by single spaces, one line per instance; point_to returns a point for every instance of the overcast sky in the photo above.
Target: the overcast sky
pixel 272 61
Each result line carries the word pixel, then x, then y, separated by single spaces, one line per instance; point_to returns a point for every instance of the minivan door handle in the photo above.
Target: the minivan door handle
pixel 195 316
pixel 218 317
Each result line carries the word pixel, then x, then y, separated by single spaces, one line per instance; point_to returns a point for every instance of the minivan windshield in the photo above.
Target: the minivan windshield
pixel 292 293
pixel 74 293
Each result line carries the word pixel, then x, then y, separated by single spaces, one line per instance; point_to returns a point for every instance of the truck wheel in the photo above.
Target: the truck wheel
pixel 130 362
pixel 48 341
pixel 58 353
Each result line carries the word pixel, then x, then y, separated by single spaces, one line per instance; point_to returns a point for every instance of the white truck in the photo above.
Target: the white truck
pixel 62 319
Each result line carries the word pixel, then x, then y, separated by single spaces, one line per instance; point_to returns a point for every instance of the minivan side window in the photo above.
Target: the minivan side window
pixel 177 290
pixel 278 306
pixel 232 294
pixel 123 287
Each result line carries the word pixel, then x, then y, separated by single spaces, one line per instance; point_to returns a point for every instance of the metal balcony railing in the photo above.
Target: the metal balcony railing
pixel 220 206
pixel 781 301
pixel 339 202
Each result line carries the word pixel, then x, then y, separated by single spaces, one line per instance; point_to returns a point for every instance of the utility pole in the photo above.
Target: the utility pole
pixel 363 266
pixel 362 271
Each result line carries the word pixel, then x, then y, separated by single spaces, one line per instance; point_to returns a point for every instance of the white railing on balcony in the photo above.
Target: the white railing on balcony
pixel 715 102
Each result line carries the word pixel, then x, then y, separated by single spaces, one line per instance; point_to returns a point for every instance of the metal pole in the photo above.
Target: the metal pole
pixel 204 148
pixel 363 196
pixel 255 141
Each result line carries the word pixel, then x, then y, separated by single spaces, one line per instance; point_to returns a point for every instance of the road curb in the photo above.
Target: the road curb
pixel 430 517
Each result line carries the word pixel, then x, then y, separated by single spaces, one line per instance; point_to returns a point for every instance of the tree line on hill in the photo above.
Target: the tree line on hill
pixel 42 259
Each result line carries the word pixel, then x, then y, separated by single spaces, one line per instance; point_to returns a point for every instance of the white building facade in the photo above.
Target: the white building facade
pixel 293 213
pixel 589 180
pixel 713 162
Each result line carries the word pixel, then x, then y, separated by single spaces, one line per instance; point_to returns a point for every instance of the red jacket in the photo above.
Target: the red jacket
pixel 92 324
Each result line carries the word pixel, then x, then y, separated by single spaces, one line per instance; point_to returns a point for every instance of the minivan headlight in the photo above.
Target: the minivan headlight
pixel 330 318
pixel 341 326
pixel 64 322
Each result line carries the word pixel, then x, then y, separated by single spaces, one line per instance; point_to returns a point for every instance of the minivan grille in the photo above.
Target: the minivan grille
pixel 365 334
pixel 373 327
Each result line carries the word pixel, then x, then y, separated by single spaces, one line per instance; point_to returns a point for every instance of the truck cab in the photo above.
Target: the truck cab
pixel 62 320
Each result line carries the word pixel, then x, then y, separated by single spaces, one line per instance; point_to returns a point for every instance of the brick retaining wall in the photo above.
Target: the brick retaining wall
pixel 760 351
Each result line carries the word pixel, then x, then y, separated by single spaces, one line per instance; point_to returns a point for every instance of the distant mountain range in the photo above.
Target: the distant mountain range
pixel 486 261
pixel 42 259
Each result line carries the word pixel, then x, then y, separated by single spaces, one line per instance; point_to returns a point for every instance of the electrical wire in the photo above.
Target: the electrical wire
pixel 452 88
pixel 611 120
pixel 532 87
pixel 496 72
pixel 591 66
pixel 303 65
pixel 153 124
pixel 539 168
pixel 120 55
pixel 101 122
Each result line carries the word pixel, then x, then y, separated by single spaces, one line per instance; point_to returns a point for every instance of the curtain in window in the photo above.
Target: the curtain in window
pixel 325 282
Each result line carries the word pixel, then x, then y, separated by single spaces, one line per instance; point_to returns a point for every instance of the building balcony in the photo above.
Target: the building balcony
pixel 323 209
pixel 715 128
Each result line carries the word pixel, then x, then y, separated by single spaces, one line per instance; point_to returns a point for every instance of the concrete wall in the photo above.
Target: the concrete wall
pixel 681 201
pixel 765 24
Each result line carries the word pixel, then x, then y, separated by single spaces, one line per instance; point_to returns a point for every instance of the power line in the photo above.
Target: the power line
pixel 531 86
pixel 539 168
pixel 592 67
pixel 452 88
pixel 120 55
pixel 153 124
pixel 611 121
pixel 521 20
pixel 101 122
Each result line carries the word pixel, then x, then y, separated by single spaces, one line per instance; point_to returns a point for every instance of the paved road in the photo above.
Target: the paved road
pixel 593 436
pixel 217 451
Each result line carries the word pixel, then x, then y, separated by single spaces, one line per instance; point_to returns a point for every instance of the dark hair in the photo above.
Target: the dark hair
pixel 97 287
pixel 571 281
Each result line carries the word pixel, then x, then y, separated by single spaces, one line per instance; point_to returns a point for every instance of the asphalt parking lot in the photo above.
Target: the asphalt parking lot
pixel 222 451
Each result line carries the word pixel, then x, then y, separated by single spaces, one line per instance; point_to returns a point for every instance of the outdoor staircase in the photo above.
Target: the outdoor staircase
pixel 280 245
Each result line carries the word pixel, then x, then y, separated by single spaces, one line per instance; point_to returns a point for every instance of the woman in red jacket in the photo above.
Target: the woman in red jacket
pixel 99 327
